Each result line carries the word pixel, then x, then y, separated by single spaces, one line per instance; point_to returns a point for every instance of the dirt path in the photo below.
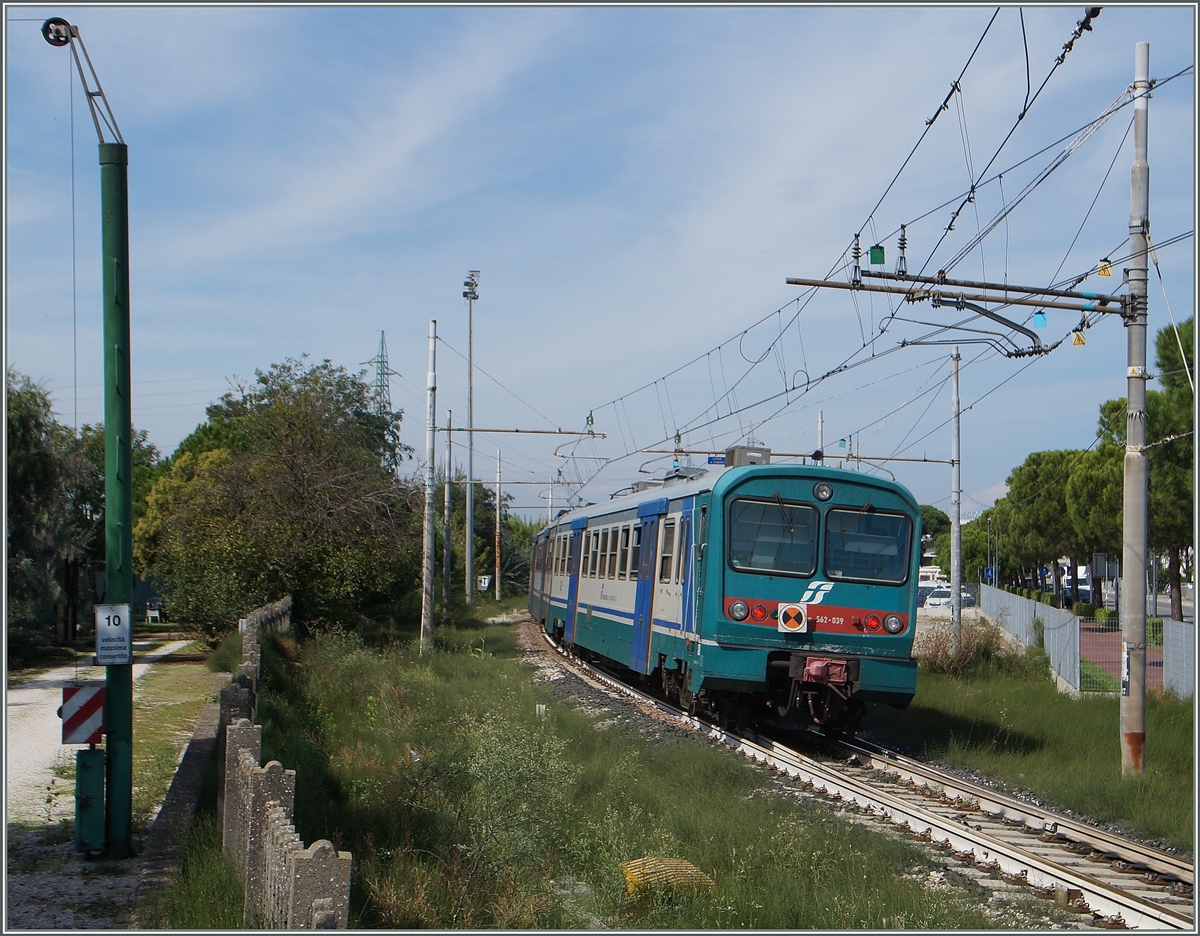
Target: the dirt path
pixel 48 884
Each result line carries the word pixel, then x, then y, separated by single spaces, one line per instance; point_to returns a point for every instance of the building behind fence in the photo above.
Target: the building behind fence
pixel 1067 642
pixel 287 885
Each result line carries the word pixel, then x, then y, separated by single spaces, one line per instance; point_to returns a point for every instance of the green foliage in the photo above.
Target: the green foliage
pixel 1107 618
pixel 37 525
pixel 1031 737
pixel 463 808
pixel 934 522
pixel 1083 609
pixel 1094 497
pixel 1041 526
pixel 981 646
pixel 227 656
pixel 1095 678
pixel 208 894
pixel 298 497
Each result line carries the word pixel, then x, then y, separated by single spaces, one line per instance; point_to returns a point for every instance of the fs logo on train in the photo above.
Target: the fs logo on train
pixel 792 619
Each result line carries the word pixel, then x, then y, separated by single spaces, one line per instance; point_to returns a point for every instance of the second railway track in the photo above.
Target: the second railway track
pixel 1115 882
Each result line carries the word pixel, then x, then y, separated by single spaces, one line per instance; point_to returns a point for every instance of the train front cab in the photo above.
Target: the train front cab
pixel 809 605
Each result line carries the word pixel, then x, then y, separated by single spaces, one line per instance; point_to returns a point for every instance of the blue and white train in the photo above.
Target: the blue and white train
pixel 756 592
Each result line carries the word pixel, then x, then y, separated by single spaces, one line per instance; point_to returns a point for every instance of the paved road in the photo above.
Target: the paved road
pixel 33 739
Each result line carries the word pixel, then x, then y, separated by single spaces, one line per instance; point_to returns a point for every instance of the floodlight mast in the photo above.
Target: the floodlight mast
pixel 118 431
pixel 471 294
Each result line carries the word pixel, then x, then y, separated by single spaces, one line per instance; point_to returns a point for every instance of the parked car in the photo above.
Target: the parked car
pixel 943 598
pixel 1085 592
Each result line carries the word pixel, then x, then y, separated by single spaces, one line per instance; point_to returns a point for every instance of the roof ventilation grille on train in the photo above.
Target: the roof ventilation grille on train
pixel 738 455
pixel 683 473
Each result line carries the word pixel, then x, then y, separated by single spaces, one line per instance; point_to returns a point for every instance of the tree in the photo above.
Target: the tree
pixel 934 522
pixel 1041 529
pixel 1170 455
pixel 288 490
pixel 50 530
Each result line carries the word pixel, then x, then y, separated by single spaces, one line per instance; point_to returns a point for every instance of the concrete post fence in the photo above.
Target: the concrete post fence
pixel 288 886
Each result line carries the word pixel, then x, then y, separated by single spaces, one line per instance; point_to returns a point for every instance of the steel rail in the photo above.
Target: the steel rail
pixel 1111 906
pixel 1035 818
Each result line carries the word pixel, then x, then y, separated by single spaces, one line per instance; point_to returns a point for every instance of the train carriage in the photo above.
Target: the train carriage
pixel 759 591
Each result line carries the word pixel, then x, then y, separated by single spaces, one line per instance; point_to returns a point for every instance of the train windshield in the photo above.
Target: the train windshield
pixel 773 536
pixel 868 545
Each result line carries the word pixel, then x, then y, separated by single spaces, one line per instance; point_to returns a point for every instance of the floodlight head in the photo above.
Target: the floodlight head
pixel 57 31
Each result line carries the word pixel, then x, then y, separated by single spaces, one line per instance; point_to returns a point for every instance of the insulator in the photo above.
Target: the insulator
pixel 902 260
pixel 856 272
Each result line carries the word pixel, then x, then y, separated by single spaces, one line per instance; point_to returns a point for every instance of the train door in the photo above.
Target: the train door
pixel 575 549
pixel 643 604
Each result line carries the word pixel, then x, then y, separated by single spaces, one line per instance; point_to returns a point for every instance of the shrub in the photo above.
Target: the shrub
pixel 1154 632
pixel 979 644
pixel 1083 609
pixel 228 655
pixel 1108 618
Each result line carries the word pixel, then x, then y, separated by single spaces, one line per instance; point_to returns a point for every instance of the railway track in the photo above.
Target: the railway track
pixel 1118 883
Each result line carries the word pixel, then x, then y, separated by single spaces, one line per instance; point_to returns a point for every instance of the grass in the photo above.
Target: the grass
pixel 167 701
pixel 464 809
pixel 1093 678
pixel 208 894
pixel 1002 715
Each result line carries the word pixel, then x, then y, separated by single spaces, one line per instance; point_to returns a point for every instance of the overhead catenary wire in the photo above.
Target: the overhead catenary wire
pixel 725 406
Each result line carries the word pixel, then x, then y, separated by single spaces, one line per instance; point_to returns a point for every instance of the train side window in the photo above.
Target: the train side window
pixel 623 560
pixel 603 571
pixel 612 552
pixel 635 553
pixel 587 553
pixel 668 551
pixel 558 555
pixel 595 554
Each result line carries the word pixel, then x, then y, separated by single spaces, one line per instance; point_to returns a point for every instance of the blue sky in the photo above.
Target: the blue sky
pixel 635 186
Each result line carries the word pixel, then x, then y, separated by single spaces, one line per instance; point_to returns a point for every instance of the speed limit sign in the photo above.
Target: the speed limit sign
pixel 114 635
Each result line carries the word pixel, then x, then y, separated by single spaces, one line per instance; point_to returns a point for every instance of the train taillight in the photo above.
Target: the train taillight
pixel 893 624
pixel 872 622
pixel 739 610
pixel 759 612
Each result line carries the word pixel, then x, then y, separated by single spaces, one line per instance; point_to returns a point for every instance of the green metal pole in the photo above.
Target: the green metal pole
pixel 118 490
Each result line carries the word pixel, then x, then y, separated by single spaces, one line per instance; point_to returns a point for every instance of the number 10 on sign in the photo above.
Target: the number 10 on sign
pixel 114 635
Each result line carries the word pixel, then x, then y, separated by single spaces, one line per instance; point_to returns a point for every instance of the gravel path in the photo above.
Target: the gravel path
pixel 48 884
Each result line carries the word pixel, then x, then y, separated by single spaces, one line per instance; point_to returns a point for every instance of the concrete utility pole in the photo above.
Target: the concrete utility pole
pixel 1136 492
pixel 470 293
pixel 955 509
pixel 430 469
pixel 449 484
pixel 118 443
pixel 497 549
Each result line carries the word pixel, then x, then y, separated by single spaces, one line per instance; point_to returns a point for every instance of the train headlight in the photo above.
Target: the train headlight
pixel 739 610
pixel 823 490
pixel 759 612
pixel 893 624
pixel 872 622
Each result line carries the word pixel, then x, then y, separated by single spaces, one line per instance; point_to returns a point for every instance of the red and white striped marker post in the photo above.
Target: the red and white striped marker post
pixel 82 714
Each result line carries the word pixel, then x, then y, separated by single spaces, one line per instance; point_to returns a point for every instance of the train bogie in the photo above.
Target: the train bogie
pixel 785 592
